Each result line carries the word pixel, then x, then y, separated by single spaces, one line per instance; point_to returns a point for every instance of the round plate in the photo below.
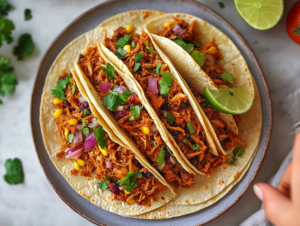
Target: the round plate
pixel 90 20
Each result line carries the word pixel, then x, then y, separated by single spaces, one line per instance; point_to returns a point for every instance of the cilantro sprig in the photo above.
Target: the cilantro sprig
pixel 115 99
pixel 103 184
pixel 198 57
pixel 27 14
pixel 120 53
pixel 58 91
pixel 25 46
pixel 14 171
pixel 135 111
pixel 149 49
pixel 100 135
pixel 237 152
pixel 8 79
pixel 187 47
pixel 161 156
pixel 195 147
pixel 137 63
pixel 156 71
pixel 4 8
pixel 165 83
pixel 227 77
pixel 170 118
pixel 129 180
pixel 6 28
pixel 109 71
pixel 133 44
pixel 123 41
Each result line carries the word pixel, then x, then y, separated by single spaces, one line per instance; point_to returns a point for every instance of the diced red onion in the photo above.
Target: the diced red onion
pixel 94 124
pixel 133 99
pixel 153 128
pixel 120 108
pixel 82 99
pixel 165 114
pixel 121 187
pixel 74 152
pixel 108 164
pixel 210 58
pixel 162 166
pixel 78 137
pixel 120 89
pixel 78 126
pixel 152 85
pixel 119 114
pixel 172 159
pixel 177 29
pixel 104 86
pixel 90 142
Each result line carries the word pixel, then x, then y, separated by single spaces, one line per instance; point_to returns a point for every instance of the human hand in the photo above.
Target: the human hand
pixel 282 205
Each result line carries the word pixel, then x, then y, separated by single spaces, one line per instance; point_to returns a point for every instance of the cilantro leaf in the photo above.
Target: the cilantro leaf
pixel 165 83
pixel 137 65
pixel 73 89
pixel 149 49
pixel 185 140
pixel 14 171
pixel 83 124
pixel 221 5
pixel 190 127
pixel 8 82
pixel 86 112
pixel 161 156
pixel 198 57
pixel 129 179
pixel 297 31
pixel 4 8
pixel 123 41
pixel 114 99
pixel 227 77
pixel 170 118
pixel 4 62
pixel 100 135
pixel 106 177
pixel 102 185
pixel 135 111
pixel 120 53
pixel 25 46
pixel 27 14
pixel 58 91
pixel 187 47
pixel 236 152
pixel 70 138
pixel 1 102
pixel 85 131
pixel 155 143
pixel 133 44
pixel 109 71
pixel 195 147
pixel 156 71
pixel 6 27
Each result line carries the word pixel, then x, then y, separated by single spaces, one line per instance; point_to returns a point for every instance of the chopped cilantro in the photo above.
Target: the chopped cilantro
pixel 155 143
pixel 25 46
pixel 227 77
pixel 27 14
pixel 73 88
pixel 156 71
pixel 6 27
pixel 185 140
pixel 109 71
pixel 236 152
pixel 170 118
pixel 85 131
pixel 8 79
pixel 103 184
pixel 4 8
pixel 195 147
pixel 100 135
pixel 137 65
pixel 129 179
pixel 221 4
pixel 149 49
pixel 58 91
pixel 70 138
pixel 106 177
pixel 133 44
pixel 114 99
pixel 120 52
pixel 123 41
pixel 86 112
pixel 83 124
pixel 198 57
pixel 190 127
pixel 135 111
pixel 165 83
pixel 297 31
pixel 14 171
pixel 161 156
pixel 230 93
pixel 187 47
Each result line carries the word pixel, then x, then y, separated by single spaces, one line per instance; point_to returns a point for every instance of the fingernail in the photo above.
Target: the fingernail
pixel 258 192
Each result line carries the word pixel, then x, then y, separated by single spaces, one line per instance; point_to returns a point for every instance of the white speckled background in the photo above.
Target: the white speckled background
pixel 34 202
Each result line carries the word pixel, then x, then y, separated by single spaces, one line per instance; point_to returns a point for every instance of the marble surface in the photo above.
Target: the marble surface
pixel 34 202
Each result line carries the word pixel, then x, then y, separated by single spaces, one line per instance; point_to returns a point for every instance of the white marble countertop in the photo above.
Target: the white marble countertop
pixel 34 202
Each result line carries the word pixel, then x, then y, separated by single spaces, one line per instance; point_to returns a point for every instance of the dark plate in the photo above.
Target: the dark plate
pixel 90 20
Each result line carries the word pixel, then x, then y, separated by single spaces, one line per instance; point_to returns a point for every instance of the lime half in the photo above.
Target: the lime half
pixel 260 14
pixel 230 101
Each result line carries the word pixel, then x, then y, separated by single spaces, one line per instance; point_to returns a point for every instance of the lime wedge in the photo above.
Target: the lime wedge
pixel 260 14
pixel 230 101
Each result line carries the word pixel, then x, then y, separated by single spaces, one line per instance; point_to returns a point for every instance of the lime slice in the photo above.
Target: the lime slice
pixel 260 14
pixel 230 101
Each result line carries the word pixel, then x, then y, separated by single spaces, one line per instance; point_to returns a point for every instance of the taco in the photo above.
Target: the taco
pixel 84 146
pixel 205 58
pixel 120 103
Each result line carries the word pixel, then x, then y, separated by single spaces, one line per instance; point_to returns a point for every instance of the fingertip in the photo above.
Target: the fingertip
pixel 258 192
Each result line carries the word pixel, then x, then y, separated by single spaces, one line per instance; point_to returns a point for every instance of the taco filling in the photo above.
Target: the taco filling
pixel 207 57
pixel 132 117
pixel 166 96
pixel 86 143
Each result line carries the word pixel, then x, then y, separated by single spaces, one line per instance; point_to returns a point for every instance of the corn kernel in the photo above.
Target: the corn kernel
pixel 76 165
pixel 81 162
pixel 103 151
pixel 145 130
pixel 131 201
pixel 67 131
pixel 57 101
pixel 212 49
pixel 73 122
pixel 127 48
pixel 130 28
pixel 167 24
pixel 57 113
pixel 126 192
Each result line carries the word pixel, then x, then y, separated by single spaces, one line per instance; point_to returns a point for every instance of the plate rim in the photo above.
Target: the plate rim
pixel 210 11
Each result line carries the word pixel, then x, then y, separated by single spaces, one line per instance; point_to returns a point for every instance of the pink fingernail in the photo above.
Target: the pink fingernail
pixel 258 192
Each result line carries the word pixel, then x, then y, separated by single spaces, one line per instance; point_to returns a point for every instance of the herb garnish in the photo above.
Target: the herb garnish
pixel 133 44
pixel 236 152
pixel 221 4
pixel 8 79
pixel 123 41
pixel 227 77
pixel 187 47
pixel 190 127
pixel 27 14
pixel 195 147
pixel 58 91
pixel 161 156
pixel 103 184
pixel 129 179
pixel 156 71
pixel 25 46
pixel 137 65
pixel 297 31
pixel 120 52
pixel 100 134
pixel 170 118
pixel 14 171
pixel 115 99
pixel 198 57
pixel 109 71
pixel 70 138
pixel 6 27
pixel 135 112
pixel 165 83
pixel 185 140
pixel 4 8
pixel 149 49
